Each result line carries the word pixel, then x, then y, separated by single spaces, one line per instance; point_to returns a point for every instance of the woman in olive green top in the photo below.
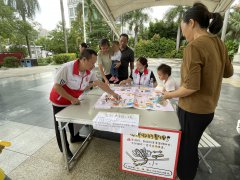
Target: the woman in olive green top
pixel 205 63
pixel 104 60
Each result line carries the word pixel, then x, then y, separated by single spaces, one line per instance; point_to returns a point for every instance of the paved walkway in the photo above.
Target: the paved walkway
pixel 26 120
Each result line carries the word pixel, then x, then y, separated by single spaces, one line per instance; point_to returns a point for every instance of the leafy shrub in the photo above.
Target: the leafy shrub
pixel 155 48
pixel 11 61
pixel 18 48
pixel 45 61
pixel 232 47
pixel 48 60
pixel 63 58
pixel 177 54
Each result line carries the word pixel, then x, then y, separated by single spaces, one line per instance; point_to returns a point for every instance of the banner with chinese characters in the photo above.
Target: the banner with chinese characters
pixel 152 152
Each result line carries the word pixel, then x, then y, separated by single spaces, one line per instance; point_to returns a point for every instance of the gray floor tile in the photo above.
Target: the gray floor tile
pixel 43 88
pixel 32 140
pixel 9 160
pixel 10 130
pixel 230 149
pixel 39 169
pixel 50 152
pixel 220 172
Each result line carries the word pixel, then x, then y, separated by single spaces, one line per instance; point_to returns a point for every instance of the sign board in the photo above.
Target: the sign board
pixel 116 122
pixel 152 152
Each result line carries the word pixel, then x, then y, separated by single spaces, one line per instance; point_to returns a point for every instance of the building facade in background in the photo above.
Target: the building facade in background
pixel 72 9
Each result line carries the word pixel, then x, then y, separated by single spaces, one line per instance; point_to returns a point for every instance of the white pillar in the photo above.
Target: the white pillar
pixel 224 30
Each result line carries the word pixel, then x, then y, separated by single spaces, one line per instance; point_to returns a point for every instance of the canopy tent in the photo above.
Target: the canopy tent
pixel 111 9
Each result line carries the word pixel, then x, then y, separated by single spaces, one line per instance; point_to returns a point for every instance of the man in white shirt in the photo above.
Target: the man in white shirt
pixel 69 83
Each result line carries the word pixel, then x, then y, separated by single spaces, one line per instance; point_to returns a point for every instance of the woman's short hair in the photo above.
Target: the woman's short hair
pixel 165 69
pixel 87 53
pixel 200 13
pixel 104 42
pixel 143 61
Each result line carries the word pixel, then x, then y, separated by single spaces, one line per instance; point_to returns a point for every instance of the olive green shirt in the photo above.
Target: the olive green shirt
pixel 205 63
pixel 105 61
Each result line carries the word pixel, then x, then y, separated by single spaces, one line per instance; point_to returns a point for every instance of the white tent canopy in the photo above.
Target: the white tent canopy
pixel 111 9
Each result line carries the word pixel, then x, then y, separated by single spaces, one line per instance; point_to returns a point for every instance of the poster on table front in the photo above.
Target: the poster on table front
pixel 152 152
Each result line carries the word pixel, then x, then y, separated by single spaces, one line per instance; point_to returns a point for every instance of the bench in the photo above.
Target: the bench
pixel 208 143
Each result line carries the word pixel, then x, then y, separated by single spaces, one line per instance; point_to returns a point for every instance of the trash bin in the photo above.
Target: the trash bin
pixel 23 63
pixel 28 63
pixel 31 62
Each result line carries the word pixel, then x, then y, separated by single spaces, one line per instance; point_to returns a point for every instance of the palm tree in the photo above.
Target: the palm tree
pixel 135 19
pixel 176 14
pixel 91 12
pixel 26 9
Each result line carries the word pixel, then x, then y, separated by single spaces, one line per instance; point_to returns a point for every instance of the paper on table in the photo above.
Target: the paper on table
pixel 116 122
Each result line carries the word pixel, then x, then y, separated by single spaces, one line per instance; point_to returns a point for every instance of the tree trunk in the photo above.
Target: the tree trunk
pixel 90 25
pixel 178 38
pixel 27 38
pixel 121 24
pixel 28 46
pixel 135 35
pixel 63 25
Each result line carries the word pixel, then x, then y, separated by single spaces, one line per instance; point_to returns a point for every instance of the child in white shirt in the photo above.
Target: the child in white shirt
pixel 164 74
pixel 116 58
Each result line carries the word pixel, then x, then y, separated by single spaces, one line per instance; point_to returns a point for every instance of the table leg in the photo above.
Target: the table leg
pixel 61 128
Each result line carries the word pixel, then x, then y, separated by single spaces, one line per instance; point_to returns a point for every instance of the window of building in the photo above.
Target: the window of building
pixel 71 12
pixel 76 11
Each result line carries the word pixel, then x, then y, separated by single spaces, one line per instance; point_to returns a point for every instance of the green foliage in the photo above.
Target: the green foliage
pixel 156 47
pixel 234 24
pixel 175 14
pixel 167 30
pixel 131 42
pixel 44 42
pixel 177 54
pixel 96 29
pixel 18 48
pixel 232 47
pixel 55 40
pixel 136 20
pixel 100 30
pixel 63 58
pixel 27 10
pixel 11 61
pixel 6 20
pixel 45 61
